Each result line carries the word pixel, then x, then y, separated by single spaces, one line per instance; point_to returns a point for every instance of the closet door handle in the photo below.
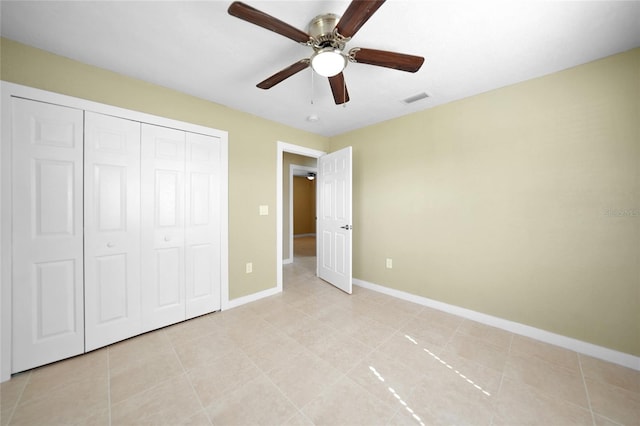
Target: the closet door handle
pixel 167 238
pixel 110 244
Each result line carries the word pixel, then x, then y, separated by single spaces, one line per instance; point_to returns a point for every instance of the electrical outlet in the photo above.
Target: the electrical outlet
pixel 389 263
pixel 249 268
pixel 264 210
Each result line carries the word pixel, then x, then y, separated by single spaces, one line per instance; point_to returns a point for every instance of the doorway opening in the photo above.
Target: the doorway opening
pixel 334 260
pixel 303 224
pixel 300 204
pixel 304 160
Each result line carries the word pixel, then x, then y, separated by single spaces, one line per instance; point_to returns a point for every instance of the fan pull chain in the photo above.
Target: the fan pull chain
pixel 311 87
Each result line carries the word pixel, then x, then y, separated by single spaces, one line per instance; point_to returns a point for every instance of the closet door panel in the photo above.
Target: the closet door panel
pixel 112 229
pixel 47 282
pixel 168 262
pixel 202 232
pixel 163 219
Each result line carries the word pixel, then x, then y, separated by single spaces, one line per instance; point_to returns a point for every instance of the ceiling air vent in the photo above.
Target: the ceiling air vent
pixel 415 98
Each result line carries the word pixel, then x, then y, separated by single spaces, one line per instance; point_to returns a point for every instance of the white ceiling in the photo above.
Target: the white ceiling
pixel 197 48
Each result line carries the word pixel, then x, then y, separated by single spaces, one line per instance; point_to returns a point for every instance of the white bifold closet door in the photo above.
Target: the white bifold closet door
pixel 144 253
pixel 112 229
pixel 163 164
pixel 180 225
pixel 202 227
pixel 48 318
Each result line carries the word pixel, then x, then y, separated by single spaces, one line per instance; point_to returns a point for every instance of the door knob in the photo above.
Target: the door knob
pixel 347 227
pixel 110 244
pixel 167 238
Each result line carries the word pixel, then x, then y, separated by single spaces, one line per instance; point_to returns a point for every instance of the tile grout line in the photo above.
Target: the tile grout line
pixel 184 372
pixel 15 406
pixel 586 390
pixel 411 390
pixel 149 388
pixel 109 384
pixel 263 372
pixel 399 331
pixel 298 409
pixel 493 411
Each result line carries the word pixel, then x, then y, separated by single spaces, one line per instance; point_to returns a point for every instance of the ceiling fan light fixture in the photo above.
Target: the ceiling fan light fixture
pixel 328 62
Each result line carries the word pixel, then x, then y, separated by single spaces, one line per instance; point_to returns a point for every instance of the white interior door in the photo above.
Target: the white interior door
pixel 202 229
pixel 163 220
pixel 112 229
pixel 334 219
pixel 47 234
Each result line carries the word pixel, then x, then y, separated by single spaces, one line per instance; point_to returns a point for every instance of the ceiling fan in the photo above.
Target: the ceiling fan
pixel 327 36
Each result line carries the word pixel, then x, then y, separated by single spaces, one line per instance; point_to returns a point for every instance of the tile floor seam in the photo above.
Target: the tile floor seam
pixel 15 406
pixel 298 409
pixel 554 365
pixel 158 384
pixel 455 332
pixel 407 321
pixel 612 385
pixel 366 391
pixel 586 391
pixel 377 347
pixel 493 411
pixel 362 359
pixel 395 413
pixel 266 375
pixel 341 376
pixel 108 386
pixel 186 376
pixel 260 369
pixel 615 422
pixel 478 339
pixel 410 393
pixel 189 340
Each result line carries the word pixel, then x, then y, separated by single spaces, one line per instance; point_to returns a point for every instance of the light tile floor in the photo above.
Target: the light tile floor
pixel 314 355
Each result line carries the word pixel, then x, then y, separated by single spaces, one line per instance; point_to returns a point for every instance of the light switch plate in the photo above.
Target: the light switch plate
pixel 264 210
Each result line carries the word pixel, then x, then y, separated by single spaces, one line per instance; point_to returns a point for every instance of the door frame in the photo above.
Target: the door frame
pixel 283 147
pixel 10 90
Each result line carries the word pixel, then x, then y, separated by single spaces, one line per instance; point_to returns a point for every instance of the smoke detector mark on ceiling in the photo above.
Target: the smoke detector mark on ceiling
pixel 416 98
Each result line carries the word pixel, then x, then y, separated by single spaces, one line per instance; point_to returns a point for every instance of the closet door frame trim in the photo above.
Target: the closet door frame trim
pixel 12 90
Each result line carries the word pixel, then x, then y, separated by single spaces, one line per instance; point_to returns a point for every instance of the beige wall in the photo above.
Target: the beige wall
pixel 522 203
pixel 304 206
pixel 518 203
pixel 252 141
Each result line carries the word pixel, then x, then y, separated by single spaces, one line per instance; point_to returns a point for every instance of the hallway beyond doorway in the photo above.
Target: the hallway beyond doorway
pixel 304 247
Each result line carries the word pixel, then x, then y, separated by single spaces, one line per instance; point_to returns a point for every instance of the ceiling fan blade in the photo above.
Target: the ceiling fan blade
pixel 382 58
pixel 339 89
pixel 284 74
pixel 358 12
pixel 261 19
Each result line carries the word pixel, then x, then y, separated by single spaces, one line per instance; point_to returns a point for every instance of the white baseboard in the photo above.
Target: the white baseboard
pixel 600 352
pixel 287 261
pixel 234 303
pixel 303 235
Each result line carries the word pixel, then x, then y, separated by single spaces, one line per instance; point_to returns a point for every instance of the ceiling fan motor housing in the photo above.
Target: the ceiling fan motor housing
pixel 323 34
